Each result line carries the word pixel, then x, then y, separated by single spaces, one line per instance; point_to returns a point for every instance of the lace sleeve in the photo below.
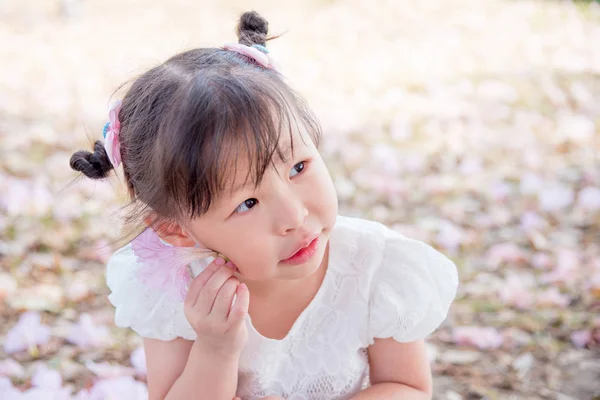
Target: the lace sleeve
pixel 146 310
pixel 411 292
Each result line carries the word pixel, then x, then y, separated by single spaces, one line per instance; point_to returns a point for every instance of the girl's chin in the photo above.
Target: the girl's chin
pixel 300 271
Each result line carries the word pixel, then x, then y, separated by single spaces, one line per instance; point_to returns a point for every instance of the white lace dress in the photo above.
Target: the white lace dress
pixel 379 284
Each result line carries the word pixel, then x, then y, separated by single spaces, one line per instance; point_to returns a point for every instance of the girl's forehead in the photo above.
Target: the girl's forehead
pixel 241 173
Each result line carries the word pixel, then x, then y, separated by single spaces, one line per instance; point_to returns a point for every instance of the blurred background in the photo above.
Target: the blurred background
pixel 469 124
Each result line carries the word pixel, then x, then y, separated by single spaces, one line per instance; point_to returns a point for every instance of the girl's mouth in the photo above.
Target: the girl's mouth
pixel 304 254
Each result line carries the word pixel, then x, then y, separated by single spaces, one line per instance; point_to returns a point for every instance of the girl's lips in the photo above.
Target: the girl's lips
pixel 304 254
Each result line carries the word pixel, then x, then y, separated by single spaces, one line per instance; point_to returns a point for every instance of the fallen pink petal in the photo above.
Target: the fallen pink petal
pixel 516 291
pixel 138 360
pixel 581 338
pixel 28 333
pixel 11 368
pixel 481 337
pixel 504 253
pixel 589 198
pixel 122 387
pixel 107 370
pixel 87 334
pixel 8 391
pixel 46 378
pixel 552 298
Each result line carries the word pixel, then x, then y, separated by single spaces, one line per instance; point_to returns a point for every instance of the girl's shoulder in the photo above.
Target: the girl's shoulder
pixel 410 285
pixel 150 312
pixel 372 244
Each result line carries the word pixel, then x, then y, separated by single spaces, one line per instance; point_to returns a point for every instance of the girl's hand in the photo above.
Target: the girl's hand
pixel 221 328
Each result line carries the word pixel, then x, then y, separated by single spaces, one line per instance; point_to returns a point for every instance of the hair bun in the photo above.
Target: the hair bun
pixel 252 29
pixel 94 165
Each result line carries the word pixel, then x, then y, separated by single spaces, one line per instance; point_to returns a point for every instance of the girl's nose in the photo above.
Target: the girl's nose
pixel 293 216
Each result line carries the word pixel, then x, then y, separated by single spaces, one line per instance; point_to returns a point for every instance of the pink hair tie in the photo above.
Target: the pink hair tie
pixel 111 134
pixel 255 52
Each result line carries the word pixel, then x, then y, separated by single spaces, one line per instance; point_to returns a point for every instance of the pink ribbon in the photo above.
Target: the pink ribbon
pixel 111 141
pixel 253 53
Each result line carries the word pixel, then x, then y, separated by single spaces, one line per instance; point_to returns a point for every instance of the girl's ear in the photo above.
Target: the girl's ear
pixel 171 233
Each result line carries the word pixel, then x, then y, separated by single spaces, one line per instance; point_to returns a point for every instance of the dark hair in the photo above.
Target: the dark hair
pixel 187 122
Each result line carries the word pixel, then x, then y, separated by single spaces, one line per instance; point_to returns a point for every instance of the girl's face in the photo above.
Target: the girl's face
pixel 279 230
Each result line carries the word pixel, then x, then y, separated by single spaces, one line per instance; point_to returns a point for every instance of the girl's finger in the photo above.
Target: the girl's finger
pixel 198 283
pixel 224 298
pixel 238 312
pixel 208 294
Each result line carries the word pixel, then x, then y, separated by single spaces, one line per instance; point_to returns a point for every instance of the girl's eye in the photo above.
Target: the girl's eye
pixel 246 205
pixel 297 169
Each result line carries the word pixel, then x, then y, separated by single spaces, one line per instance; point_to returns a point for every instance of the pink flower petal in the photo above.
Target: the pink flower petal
pixel 11 368
pixel 26 334
pixel 81 395
pixel 7 391
pixel 581 338
pixel 480 337
pixel 138 360
pixel 5 384
pixel 8 286
pixel 46 378
pixel 85 333
pixel 504 253
pixel 500 191
pixel 541 261
pixel 107 370
pixel 450 236
pixel 517 291
pixel 589 198
pixel 470 166
pixel 119 388
pixel 26 197
pixel 555 197
pixel 531 220
pixel 530 184
pixel 45 394
pixel 567 268
pixel 552 297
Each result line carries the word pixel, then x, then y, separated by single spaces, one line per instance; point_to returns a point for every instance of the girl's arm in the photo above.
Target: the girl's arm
pixel 398 371
pixel 206 368
pixel 165 361
pixel 180 369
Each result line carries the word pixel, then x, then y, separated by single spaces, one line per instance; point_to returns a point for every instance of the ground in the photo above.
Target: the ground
pixel 472 125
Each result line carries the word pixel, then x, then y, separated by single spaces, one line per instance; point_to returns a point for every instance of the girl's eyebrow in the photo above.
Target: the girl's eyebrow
pixel 286 149
pixel 239 186
pixel 289 148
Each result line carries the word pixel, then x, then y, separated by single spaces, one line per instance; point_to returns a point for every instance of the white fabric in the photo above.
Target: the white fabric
pixel 379 284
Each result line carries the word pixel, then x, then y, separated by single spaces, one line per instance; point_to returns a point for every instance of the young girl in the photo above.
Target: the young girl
pixel 220 159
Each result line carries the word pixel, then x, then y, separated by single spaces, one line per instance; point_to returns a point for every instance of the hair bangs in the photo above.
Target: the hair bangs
pixel 239 124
